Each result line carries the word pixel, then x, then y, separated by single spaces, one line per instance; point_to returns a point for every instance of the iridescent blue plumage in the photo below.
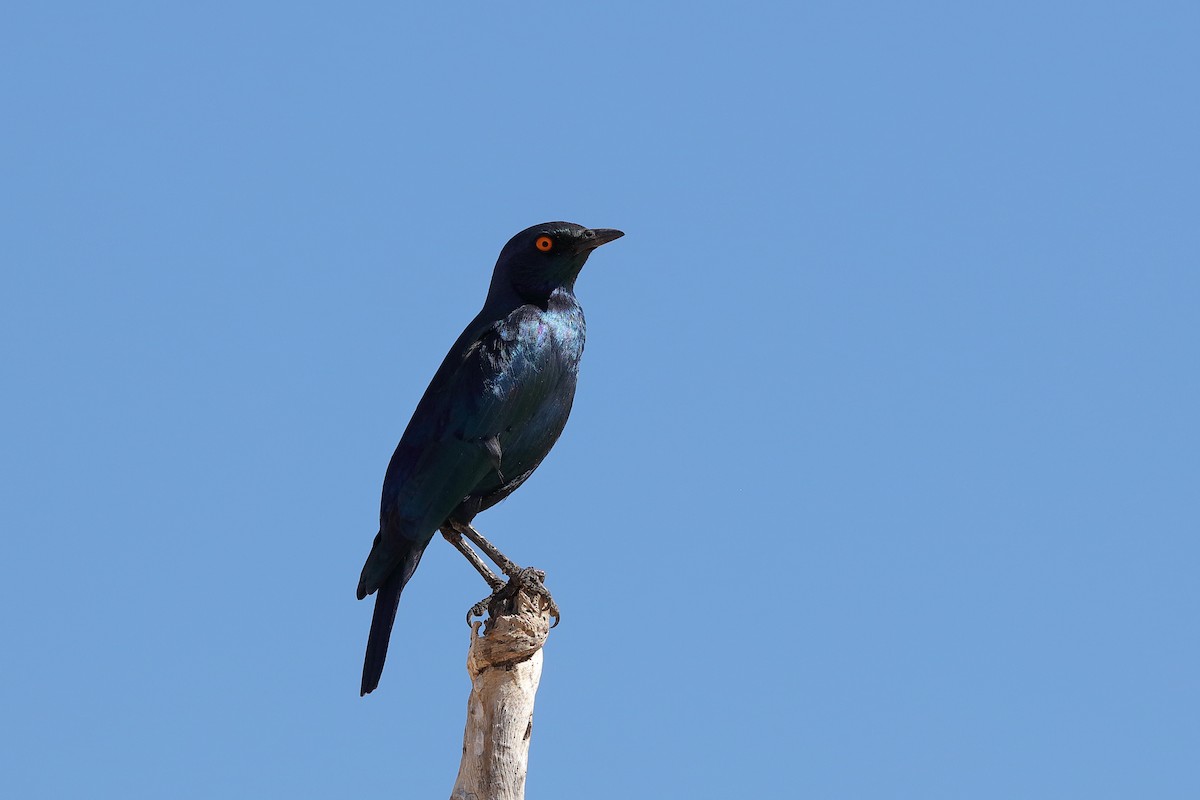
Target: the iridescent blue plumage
pixel 495 407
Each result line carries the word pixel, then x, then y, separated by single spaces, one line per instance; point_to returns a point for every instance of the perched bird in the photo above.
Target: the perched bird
pixel 493 410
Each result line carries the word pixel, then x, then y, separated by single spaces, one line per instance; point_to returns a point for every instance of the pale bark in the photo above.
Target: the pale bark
pixel 505 665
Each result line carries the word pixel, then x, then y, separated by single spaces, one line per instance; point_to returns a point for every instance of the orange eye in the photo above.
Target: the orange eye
pixel 544 243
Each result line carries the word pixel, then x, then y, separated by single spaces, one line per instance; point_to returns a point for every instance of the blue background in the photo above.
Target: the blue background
pixel 882 477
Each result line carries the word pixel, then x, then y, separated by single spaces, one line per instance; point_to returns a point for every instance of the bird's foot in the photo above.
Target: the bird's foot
pixel 528 581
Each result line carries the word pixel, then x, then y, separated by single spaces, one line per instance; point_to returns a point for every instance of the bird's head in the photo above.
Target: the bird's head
pixel 546 257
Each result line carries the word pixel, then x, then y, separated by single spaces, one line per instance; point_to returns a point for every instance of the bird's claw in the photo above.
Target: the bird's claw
pixel 529 580
pixel 533 582
pixel 477 610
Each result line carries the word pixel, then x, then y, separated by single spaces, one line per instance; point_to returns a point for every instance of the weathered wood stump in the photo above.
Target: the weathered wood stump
pixel 505 665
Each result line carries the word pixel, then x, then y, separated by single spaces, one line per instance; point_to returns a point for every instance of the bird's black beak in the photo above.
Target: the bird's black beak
pixel 594 237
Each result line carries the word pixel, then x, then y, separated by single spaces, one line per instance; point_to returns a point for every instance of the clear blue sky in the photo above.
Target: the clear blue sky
pixel 885 465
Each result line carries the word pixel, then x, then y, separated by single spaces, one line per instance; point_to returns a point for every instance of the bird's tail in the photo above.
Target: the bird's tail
pixel 387 600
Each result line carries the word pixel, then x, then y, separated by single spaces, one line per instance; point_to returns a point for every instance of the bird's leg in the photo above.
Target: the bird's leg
pixel 455 538
pixel 490 550
pixel 528 579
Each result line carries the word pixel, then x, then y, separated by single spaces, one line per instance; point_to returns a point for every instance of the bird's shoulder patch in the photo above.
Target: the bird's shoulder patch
pixel 520 324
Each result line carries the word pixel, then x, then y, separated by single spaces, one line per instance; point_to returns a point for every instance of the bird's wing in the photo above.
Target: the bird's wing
pixel 454 439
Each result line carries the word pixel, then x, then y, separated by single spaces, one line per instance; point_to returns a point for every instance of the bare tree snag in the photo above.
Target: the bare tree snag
pixel 505 665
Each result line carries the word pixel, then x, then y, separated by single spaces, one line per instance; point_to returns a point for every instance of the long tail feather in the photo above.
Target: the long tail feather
pixel 387 600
